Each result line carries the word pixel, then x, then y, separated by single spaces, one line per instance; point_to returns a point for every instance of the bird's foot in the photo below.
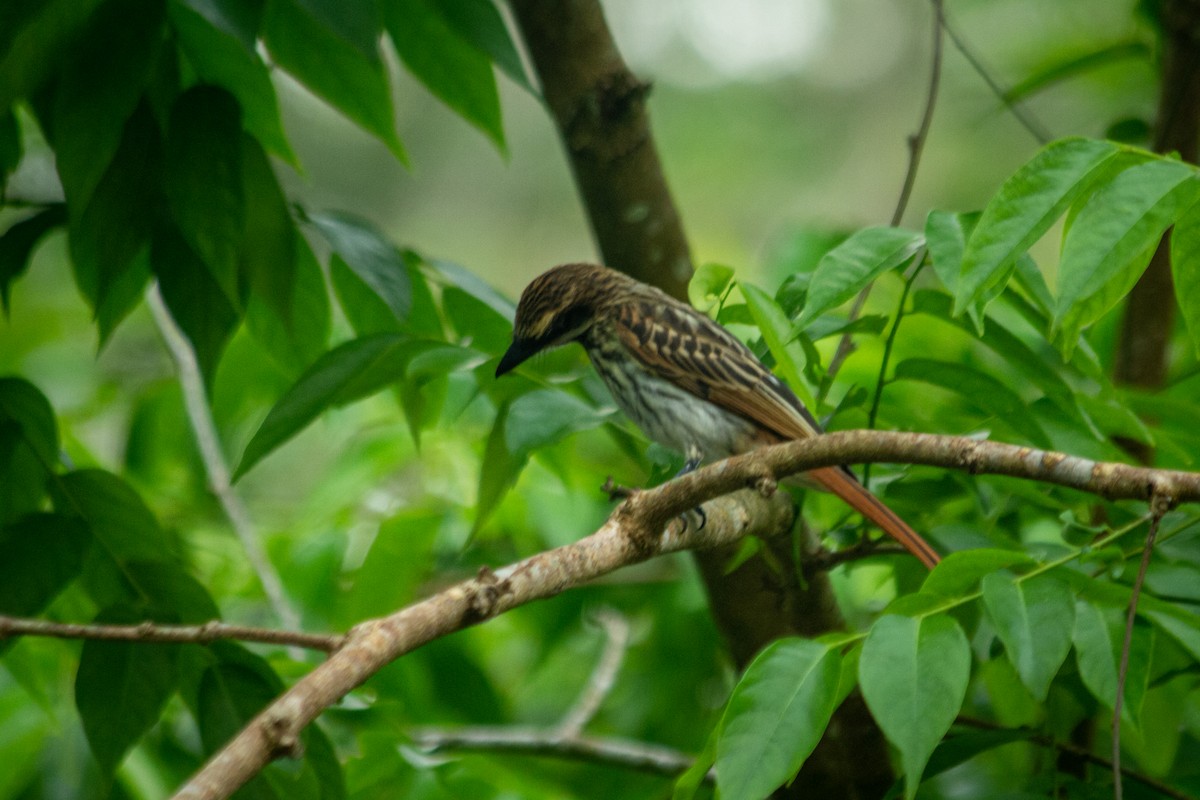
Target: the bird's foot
pixel 616 491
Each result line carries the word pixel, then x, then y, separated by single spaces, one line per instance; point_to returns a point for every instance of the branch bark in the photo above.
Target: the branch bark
pixel 631 535
pixel 12 627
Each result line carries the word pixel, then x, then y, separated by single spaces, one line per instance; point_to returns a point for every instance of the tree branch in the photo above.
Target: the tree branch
pixel 12 627
pixel 631 535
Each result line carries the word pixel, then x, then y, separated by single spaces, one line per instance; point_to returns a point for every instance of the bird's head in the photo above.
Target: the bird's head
pixel 556 308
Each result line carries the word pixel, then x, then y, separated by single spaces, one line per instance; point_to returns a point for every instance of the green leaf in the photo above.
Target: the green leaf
pixel 979 389
pixel 219 44
pixel 1034 619
pixel 117 516
pixel 854 263
pixel 17 243
pixel 33 38
pixel 709 285
pixel 1064 68
pixel 374 259
pixel 346 373
pixel 109 238
pixel 777 332
pixel 40 554
pixel 334 68
pixel 479 22
pixel 776 715
pixel 28 447
pixel 689 782
pixel 121 689
pixel 1025 207
pixel 1185 269
pixel 1111 241
pixel 203 181
pixel 10 146
pixel 545 416
pixel 101 83
pixel 299 339
pixel 946 235
pixel 199 306
pixel 450 66
pixel 475 286
pixel 959 573
pixel 498 471
pixel 913 674
pixel 1098 637
pixel 268 257
pixel 355 22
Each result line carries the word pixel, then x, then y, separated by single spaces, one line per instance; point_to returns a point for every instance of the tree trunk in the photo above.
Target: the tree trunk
pixel 599 107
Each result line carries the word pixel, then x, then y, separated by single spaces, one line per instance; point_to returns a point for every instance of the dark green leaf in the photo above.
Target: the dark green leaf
pixel 268 257
pixel 98 89
pixel 203 180
pixel 1034 619
pixel 545 416
pixel 475 321
pixel 689 782
pixel 214 40
pixel 1111 241
pixel 475 286
pixel 374 259
pixel 913 674
pixel 10 145
pixel 854 263
pixel 980 390
pixel 355 22
pixel 39 555
pixel 498 471
pixel 121 689
pixel 17 243
pixel 33 38
pixel 1025 207
pixel 333 68
pixel 118 518
pixel 450 66
pixel 479 22
pixel 1185 269
pixel 776 716
pixel 345 374
pixel 109 238
pixel 28 447
pixel 199 306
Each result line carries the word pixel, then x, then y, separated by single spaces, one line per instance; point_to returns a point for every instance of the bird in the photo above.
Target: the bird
pixel 688 383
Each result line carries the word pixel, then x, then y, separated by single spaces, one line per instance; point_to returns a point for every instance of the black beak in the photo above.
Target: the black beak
pixel 517 353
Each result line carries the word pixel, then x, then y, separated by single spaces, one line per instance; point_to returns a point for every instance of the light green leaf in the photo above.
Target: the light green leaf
pixel 544 416
pixel 1098 636
pixel 709 285
pixel 946 235
pixel 1034 619
pixel 776 716
pixel 449 66
pixel 1185 269
pixel 350 371
pixel 913 674
pixel 979 389
pixel 854 263
pixel 1025 207
pixel 1112 238
pixel 777 333
pixel 17 243
pixel 959 573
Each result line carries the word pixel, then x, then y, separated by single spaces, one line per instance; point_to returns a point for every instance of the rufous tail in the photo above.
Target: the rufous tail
pixel 856 495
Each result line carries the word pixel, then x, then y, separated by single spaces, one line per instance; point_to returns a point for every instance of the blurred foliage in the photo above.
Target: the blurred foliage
pixel 350 381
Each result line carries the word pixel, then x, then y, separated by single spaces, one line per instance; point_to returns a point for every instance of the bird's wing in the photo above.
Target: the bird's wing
pixel 695 353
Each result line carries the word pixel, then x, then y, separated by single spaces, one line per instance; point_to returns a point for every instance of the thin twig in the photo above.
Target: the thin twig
pixel 644 756
pixel 1019 113
pixel 205 433
pixel 1048 741
pixel 11 627
pixel 604 675
pixel 916 146
pixel 1159 506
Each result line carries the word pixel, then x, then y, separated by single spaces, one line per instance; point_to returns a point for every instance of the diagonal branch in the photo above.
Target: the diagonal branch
pixel 631 535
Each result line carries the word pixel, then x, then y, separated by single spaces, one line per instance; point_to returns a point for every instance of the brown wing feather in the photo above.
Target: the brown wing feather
pixel 696 354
